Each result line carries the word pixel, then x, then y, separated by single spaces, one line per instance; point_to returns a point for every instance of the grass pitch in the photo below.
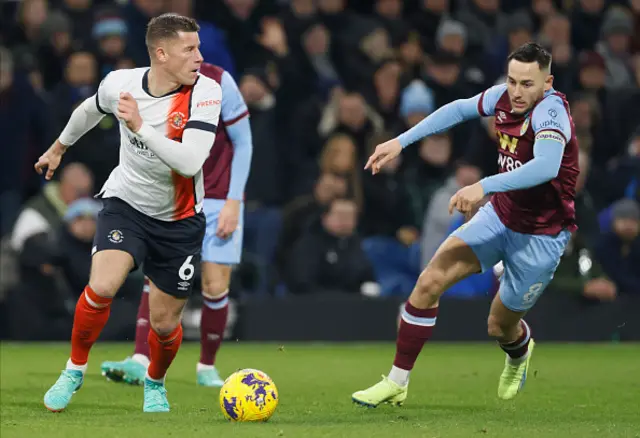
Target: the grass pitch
pixel 572 391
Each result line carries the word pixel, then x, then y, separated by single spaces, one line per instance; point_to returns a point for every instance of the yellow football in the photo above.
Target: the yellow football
pixel 248 395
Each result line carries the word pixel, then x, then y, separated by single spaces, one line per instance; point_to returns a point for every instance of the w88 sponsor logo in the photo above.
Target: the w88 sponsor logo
pixel 507 163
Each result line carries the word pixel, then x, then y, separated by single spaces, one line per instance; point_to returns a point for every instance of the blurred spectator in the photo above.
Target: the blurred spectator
pixel 623 178
pixel 635 39
pixel 386 83
pixel 416 103
pixel 427 18
pixel 24 123
pixel 619 249
pixel 41 295
pixel 586 213
pixel 265 188
pixel 444 78
pixel 386 205
pixel 300 213
pixel 580 274
pixel 424 177
pixel 340 157
pixel 586 18
pixel 81 77
pixel 74 240
pixel 452 38
pixel 137 14
pixel 110 33
pixel 389 13
pixel 621 114
pixel 54 45
pixel 437 220
pixel 80 13
pixel 617 29
pixel 592 76
pixel 482 18
pixel 517 29
pixel 45 212
pixel 555 34
pixel 241 23
pixel 329 256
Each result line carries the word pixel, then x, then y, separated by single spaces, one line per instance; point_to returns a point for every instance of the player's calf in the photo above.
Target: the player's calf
pixel 215 308
pixel 453 261
pixel 514 337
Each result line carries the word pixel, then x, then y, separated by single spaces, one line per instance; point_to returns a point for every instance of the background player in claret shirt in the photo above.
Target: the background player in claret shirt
pixel 152 211
pixel 526 225
pixel 225 175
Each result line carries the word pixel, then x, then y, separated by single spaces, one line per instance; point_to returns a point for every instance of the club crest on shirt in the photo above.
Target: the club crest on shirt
pixel 501 116
pixel 525 126
pixel 177 119
pixel 115 236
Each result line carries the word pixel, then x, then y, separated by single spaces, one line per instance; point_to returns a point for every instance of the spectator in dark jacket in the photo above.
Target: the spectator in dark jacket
pixel 329 257
pixel 619 250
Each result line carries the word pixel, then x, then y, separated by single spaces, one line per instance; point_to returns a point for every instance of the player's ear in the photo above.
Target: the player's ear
pixel 161 54
pixel 548 83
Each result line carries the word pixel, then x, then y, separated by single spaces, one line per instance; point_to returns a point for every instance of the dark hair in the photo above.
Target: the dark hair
pixel 531 52
pixel 327 208
pixel 167 26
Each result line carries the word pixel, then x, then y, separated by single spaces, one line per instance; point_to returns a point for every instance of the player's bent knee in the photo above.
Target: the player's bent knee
pixel 430 284
pixel 215 279
pixel 164 329
pixel 165 324
pixel 214 288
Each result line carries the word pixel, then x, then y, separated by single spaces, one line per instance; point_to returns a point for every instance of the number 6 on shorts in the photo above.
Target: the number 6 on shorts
pixel 187 269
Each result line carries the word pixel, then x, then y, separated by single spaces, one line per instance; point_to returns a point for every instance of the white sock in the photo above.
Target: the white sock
pixel 203 367
pixel 154 380
pixel 141 359
pixel 399 376
pixel 517 360
pixel 72 366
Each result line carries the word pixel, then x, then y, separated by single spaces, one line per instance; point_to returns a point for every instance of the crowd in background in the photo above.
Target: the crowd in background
pixel 325 81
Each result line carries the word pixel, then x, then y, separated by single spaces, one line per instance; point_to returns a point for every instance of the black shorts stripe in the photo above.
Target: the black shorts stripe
pixel 203 126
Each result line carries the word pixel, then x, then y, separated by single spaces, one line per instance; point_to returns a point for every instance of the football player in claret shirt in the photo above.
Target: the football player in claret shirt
pixel 526 225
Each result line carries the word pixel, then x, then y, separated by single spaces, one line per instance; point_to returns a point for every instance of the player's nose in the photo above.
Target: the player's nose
pixel 199 57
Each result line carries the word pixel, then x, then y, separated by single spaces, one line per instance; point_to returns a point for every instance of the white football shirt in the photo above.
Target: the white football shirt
pixel 141 179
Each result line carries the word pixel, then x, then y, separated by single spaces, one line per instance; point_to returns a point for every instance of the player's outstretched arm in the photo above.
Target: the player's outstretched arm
pixel 441 120
pixel 82 120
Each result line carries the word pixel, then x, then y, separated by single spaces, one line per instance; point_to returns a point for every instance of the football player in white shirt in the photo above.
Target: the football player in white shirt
pixel 152 212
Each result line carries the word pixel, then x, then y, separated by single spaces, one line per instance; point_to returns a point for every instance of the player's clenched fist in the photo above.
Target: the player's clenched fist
pixel 128 112
pixel 50 160
pixel 466 198
pixel 384 153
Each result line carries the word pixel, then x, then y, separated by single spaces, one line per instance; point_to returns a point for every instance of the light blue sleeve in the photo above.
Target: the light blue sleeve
pixel 551 115
pixel 233 105
pixel 240 135
pixel 548 151
pixel 234 115
pixel 453 114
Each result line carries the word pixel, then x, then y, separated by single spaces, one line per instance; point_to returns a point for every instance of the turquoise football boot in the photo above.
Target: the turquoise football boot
pixel 127 371
pixel 155 397
pixel 59 395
